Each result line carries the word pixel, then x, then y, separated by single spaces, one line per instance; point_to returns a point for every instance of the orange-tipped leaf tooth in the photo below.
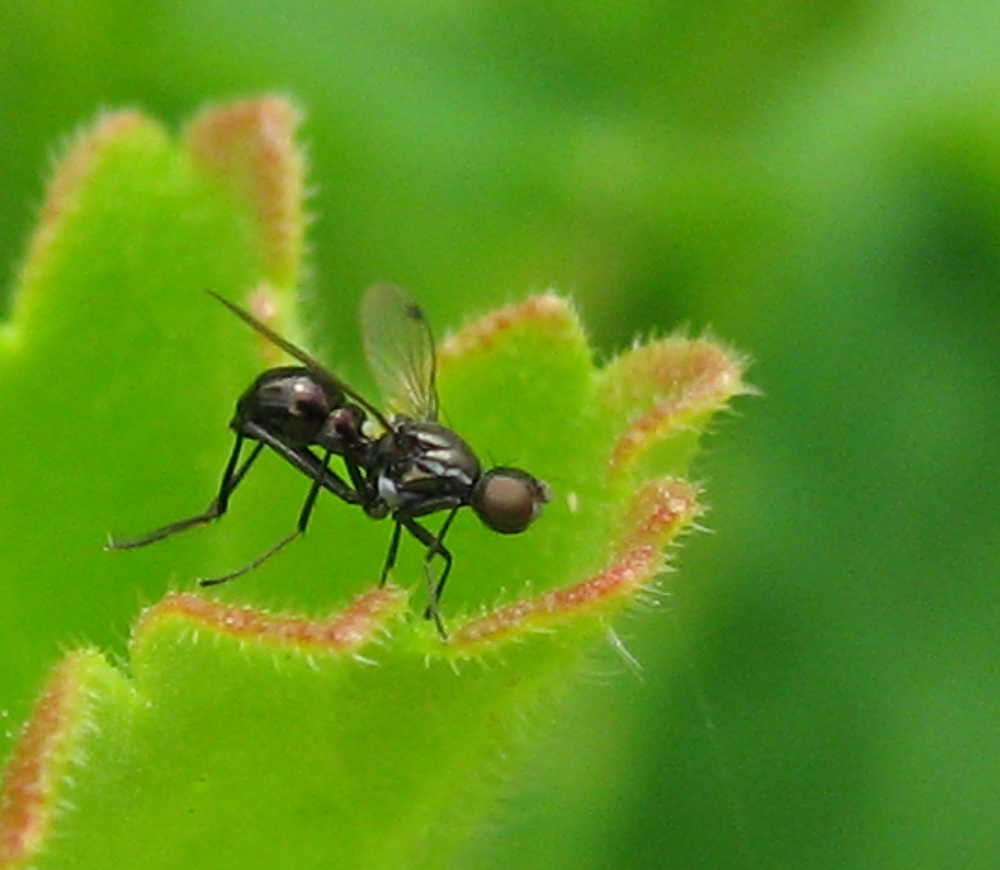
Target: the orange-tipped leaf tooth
pixel 660 511
pixel 547 313
pixel 665 387
pixel 363 621
pixel 72 170
pixel 251 147
pixel 32 775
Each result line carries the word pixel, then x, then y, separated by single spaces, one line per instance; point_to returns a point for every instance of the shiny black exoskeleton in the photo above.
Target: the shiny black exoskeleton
pixel 412 467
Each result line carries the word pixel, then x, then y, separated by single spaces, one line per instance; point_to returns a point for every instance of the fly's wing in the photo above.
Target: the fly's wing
pixel 306 359
pixel 400 350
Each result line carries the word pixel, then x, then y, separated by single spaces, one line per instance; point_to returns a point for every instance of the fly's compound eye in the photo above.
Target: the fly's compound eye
pixel 509 500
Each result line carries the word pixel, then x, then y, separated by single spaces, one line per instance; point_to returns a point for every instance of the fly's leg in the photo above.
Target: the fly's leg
pixel 231 478
pixel 300 529
pixel 390 557
pixel 435 547
pixel 305 461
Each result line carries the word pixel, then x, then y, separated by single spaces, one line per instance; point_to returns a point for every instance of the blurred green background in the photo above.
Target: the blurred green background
pixel 817 183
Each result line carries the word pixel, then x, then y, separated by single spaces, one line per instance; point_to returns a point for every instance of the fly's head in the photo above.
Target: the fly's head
pixel 508 500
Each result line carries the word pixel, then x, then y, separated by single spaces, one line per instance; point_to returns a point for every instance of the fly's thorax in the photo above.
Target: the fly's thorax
pixel 422 460
pixel 437 451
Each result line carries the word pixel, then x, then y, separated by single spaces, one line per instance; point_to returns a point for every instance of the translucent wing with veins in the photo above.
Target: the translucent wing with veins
pixel 400 350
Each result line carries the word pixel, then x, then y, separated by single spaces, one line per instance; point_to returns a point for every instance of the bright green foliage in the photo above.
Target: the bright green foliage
pixel 347 733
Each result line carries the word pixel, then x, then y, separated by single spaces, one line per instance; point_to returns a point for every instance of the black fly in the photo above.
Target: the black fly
pixel 411 467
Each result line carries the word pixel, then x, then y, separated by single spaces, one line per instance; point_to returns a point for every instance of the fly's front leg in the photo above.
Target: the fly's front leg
pixel 435 547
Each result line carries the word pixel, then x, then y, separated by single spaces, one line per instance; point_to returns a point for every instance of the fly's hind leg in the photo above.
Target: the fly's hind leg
pixel 231 478
pixel 300 528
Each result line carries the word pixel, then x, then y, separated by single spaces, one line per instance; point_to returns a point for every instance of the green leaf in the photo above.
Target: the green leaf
pixel 339 729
